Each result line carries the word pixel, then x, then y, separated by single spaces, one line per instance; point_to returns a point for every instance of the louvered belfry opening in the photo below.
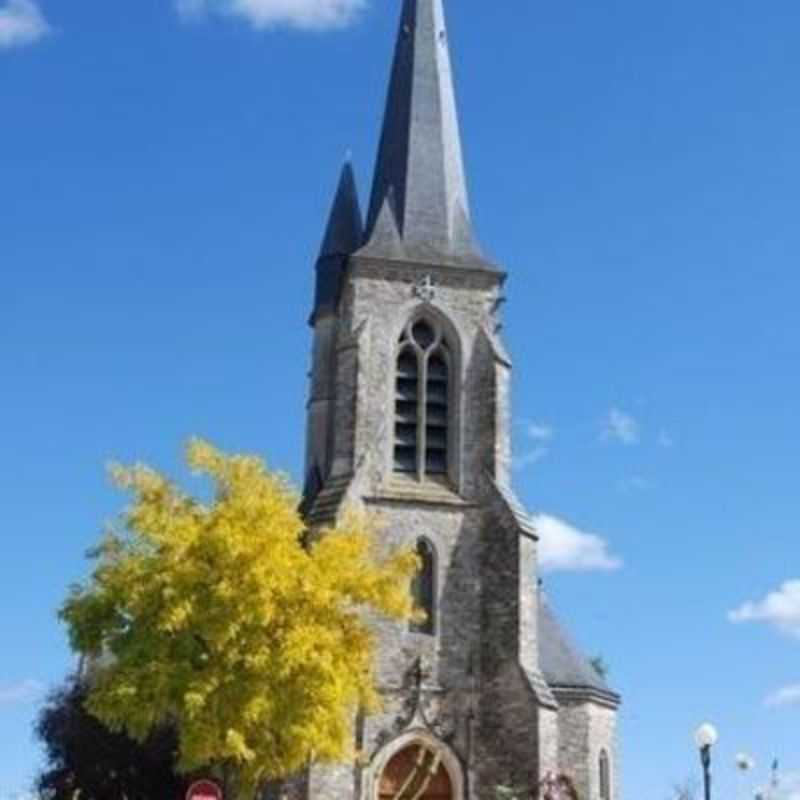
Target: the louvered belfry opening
pixel 405 449
pixel 436 415
pixel 422 395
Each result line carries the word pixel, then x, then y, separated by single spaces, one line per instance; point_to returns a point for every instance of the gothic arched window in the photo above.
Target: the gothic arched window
pixel 605 776
pixel 422 399
pixel 423 589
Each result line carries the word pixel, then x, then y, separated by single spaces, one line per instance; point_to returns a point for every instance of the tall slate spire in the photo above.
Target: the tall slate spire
pixel 344 234
pixel 419 206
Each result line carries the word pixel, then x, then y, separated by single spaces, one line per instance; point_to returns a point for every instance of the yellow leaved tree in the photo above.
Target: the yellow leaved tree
pixel 223 620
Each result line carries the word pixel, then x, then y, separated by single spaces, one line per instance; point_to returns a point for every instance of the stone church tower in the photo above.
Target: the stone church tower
pixel 409 416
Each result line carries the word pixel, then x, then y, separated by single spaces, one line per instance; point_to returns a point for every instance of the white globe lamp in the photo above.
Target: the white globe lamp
pixel 705 738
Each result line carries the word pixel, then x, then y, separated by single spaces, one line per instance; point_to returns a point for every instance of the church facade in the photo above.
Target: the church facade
pixel 409 416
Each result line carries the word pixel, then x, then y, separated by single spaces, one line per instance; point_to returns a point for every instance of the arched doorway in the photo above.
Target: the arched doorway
pixel 415 773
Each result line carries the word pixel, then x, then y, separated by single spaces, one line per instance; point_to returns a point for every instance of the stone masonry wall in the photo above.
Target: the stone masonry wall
pixel 603 735
pixel 477 691
pixel 587 728
pixel 383 300
pixel 508 723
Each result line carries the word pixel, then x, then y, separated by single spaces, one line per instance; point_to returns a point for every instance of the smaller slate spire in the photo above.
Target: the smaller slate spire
pixel 343 236
pixel 419 195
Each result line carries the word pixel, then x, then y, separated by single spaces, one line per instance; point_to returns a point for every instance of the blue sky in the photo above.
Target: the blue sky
pixel 165 171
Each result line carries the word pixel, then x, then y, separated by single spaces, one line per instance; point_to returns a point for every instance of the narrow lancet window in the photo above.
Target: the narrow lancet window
pixel 405 417
pixel 605 776
pixel 422 400
pixel 436 388
pixel 423 589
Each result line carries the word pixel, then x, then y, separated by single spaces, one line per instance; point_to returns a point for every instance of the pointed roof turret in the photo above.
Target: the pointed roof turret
pixel 419 194
pixel 343 236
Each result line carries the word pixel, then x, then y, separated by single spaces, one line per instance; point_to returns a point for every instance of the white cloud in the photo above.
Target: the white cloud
pixel 636 483
pixel 21 23
pixel 304 14
pixel 780 609
pixel 665 440
pixel 787 696
pixel 531 457
pixel 788 788
pixel 620 427
pixel 23 692
pixel 564 548
pixel 539 432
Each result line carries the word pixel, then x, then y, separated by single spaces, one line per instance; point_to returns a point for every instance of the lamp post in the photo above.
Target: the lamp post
pixel 705 738
pixel 744 763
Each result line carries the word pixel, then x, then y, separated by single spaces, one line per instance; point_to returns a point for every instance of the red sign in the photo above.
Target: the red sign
pixel 204 790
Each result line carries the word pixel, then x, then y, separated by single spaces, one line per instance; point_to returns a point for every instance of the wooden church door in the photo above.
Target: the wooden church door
pixel 415 774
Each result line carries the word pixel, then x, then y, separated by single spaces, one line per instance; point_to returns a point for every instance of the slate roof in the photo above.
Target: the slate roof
pixel 324 506
pixel 419 193
pixel 344 234
pixel 561 662
pixel 523 519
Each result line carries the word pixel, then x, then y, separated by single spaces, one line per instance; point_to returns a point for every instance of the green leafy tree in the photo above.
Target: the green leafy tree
pixel 85 759
pixel 222 619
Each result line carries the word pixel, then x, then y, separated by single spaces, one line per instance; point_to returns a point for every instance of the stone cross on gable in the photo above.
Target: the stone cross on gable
pixel 425 289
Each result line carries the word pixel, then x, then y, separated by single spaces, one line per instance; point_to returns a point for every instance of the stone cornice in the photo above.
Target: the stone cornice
pixel 580 694
pixel 361 262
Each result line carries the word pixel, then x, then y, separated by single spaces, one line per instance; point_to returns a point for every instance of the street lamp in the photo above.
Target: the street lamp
pixel 745 763
pixel 706 737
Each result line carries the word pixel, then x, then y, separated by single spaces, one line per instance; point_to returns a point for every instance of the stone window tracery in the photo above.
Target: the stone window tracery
pixel 422 401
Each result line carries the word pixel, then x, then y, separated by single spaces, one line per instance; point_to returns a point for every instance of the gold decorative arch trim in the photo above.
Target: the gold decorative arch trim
pixel 431 756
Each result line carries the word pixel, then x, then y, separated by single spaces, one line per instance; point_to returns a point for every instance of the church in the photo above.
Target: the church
pixel 409 416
